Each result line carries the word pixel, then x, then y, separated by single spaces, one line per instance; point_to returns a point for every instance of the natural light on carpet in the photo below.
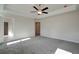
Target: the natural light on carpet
pixel 18 41
pixel 25 39
pixel 61 51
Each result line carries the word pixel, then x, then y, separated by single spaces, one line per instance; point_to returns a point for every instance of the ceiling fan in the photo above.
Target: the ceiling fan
pixel 40 10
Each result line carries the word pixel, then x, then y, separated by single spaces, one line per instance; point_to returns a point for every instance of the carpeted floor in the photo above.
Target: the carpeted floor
pixel 39 45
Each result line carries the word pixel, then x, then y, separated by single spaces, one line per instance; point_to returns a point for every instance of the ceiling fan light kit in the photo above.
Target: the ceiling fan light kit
pixel 40 10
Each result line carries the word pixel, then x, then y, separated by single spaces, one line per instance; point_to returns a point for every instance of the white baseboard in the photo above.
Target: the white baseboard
pixel 74 41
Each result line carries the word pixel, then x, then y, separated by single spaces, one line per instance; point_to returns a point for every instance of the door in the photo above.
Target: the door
pixel 37 28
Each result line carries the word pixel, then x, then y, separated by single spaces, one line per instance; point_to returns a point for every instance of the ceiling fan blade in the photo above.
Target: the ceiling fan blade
pixel 45 12
pixel 35 7
pixel 45 8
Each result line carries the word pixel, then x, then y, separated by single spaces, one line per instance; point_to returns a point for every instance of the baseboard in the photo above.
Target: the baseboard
pixel 62 39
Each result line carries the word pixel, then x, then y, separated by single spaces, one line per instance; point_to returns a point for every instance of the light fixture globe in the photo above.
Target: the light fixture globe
pixel 39 12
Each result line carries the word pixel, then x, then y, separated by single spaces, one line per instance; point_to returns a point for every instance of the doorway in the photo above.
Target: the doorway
pixel 37 28
pixel 5 28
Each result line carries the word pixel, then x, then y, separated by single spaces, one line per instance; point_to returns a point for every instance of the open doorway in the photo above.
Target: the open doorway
pixel 8 29
pixel 37 28
pixel 5 28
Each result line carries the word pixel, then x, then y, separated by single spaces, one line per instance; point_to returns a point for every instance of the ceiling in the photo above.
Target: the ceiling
pixel 25 9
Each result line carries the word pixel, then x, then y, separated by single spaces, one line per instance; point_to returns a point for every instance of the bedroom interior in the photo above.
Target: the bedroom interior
pixel 39 28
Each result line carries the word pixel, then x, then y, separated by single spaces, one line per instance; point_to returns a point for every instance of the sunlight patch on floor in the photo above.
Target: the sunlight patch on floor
pixel 25 39
pixel 9 43
pixel 61 51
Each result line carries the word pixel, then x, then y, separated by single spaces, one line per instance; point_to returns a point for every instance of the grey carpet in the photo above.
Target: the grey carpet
pixel 39 45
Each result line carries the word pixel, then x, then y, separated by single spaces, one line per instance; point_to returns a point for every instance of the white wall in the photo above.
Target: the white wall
pixel 1 29
pixel 1 7
pixel 64 27
pixel 19 27
pixel 23 27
